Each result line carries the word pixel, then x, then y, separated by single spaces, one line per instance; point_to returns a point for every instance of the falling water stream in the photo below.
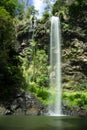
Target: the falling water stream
pixel 55 65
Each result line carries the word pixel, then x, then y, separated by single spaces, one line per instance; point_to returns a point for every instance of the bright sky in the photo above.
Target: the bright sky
pixel 39 5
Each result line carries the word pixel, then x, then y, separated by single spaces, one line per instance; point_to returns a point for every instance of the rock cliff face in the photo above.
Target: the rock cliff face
pixel 74 48
pixel 74 62
pixel 73 52
pixel 23 104
pixel 27 31
pixel 73 45
pixel 24 33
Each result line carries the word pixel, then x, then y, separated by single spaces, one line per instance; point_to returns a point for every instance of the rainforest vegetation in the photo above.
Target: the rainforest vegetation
pixel 24 50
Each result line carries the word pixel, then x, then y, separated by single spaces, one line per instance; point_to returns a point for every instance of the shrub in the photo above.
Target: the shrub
pixel 32 87
pixel 43 94
pixel 75 98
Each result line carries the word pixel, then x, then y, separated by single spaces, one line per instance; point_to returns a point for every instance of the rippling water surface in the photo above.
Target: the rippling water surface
pixel 42 123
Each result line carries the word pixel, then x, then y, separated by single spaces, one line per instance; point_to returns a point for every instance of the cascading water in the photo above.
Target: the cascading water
pixel 55 65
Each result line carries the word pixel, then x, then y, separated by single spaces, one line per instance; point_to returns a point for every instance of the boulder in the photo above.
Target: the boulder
pixel 25 104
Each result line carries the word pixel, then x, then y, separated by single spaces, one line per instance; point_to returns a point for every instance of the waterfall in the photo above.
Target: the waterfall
pixel 55 65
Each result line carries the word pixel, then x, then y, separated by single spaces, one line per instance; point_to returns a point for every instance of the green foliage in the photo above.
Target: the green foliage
pixel 35 70
pixel 35 65
pixel 42 93
pixel 30 11
pixel 9 5
pixel 76 17
pixel 46 16
pixel 46 95
pixel 75 98
pixel 12 6
pixel 58 6
pixel 19 9
pixel 11 79
pixel 82 87
pixel 6 35
pixel 32 87
pixel 42 34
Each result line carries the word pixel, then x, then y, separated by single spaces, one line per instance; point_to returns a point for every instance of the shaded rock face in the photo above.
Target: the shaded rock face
pixel 74 111
pixel 74 62
pixel 27 32
pixel 24 33
pixel 25 104
pixel 74 47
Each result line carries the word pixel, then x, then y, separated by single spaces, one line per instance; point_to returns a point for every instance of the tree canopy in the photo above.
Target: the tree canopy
pixel 12 6
pixel 11 78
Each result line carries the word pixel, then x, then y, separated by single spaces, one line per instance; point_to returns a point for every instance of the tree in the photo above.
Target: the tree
pixel 12 6
pixel 25 2
pixel 58 6
pixel 76 17
pixel 11 79
pixel 30 10
pixel 49 4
